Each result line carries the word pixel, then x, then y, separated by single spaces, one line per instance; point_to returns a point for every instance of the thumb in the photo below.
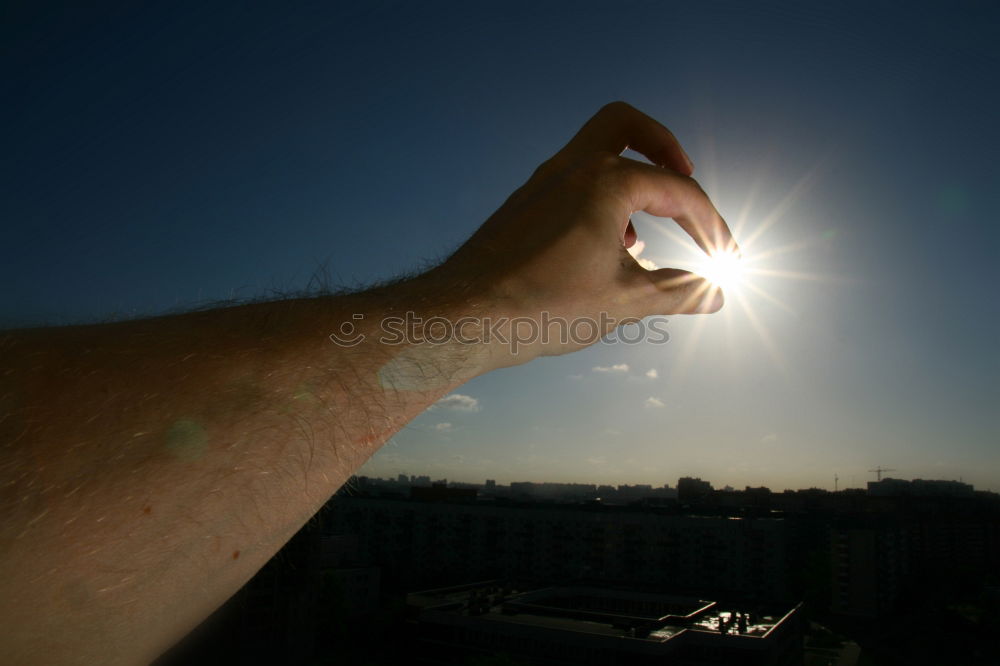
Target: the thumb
pixel 683 292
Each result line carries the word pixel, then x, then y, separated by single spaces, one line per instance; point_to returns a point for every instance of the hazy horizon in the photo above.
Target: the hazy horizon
pixel 843 484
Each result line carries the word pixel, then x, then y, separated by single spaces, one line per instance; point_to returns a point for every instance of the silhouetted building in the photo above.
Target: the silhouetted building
pixel 692 489
pixel 919 488
pixel 350 583
pixel 551 490
pixel 442 543
pixel 869 564
pixel 439 492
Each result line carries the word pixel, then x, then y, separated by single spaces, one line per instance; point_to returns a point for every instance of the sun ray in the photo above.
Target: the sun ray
pixel 746 279
pixel 744 215
pixel 691 301
pixel 687 353
pixel 797 275
pixel 804 184
pixel 770 298
pixel 783 249
pixel 765 336
pixel 707 171
pixel 674 234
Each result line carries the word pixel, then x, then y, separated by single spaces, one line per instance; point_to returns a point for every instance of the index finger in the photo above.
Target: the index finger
pixel 668 194
pixel 618 126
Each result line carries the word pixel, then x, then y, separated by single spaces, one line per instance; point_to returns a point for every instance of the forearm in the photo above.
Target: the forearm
pixel 151 467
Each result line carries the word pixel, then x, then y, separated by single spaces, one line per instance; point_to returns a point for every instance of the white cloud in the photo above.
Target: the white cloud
pixel 458 402
pixel 636 250
pixel 597 460
pixel 576 376
pixel 618 367
pixel 443 426
pixel 653 403
pixel 652 373
pixel 768 438
pixel 648 264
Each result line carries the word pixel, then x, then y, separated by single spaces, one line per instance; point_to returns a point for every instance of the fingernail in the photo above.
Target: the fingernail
pixel 687 158
pixel 715 301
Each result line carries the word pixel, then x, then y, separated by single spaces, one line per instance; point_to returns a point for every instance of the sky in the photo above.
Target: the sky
pixel 161 156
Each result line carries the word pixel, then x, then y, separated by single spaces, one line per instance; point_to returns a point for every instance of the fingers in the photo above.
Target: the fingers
pixel 618 126
pixel 667 194
pixel 662 192
pixel 682 292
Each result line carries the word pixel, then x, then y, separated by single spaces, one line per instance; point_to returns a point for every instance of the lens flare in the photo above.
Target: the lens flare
pixel 744 276
pixel 723 269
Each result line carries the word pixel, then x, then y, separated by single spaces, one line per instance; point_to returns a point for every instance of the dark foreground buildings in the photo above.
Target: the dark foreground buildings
pixel 422 544
pixel 579 626
pixel 908 569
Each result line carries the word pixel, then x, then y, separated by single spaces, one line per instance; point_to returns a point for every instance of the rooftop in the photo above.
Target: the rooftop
pixel 641 616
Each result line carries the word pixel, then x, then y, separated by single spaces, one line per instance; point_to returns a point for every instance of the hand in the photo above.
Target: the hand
pixel 559 244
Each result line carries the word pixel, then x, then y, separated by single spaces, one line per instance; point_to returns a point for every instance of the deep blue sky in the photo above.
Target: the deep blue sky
pixel 159 157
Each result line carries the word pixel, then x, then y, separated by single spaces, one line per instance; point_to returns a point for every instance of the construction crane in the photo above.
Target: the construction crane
pixel 878 471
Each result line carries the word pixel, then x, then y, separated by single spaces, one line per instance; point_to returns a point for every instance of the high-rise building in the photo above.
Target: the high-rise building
pixel 430 543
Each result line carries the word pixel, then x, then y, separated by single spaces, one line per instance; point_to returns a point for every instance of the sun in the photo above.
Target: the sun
pixel 743 275
pixel 723 268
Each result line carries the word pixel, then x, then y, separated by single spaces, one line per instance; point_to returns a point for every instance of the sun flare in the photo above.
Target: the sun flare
pixel 723 269
pixel 747 277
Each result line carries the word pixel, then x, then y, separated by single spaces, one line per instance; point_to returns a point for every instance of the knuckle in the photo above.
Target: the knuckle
pixel 552 165
pixel 602 162
pixel 695 189
pixel 616 108
pixel 600 169
pixel 688 181
pixel 594 165
pixel 696 186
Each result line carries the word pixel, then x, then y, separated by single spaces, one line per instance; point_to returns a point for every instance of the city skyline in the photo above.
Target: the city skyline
pixel 656 485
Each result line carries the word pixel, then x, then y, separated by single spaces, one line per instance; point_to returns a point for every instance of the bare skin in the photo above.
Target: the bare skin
pixel 149 468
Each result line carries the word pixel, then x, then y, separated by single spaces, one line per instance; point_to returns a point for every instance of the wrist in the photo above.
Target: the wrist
pixel 425 334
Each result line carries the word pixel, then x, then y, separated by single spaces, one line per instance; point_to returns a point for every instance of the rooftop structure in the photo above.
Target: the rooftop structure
pixel 889 487
pixel 590 625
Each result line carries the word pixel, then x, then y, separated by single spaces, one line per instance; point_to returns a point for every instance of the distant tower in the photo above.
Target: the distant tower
pixel 836 480
pixel 879 470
